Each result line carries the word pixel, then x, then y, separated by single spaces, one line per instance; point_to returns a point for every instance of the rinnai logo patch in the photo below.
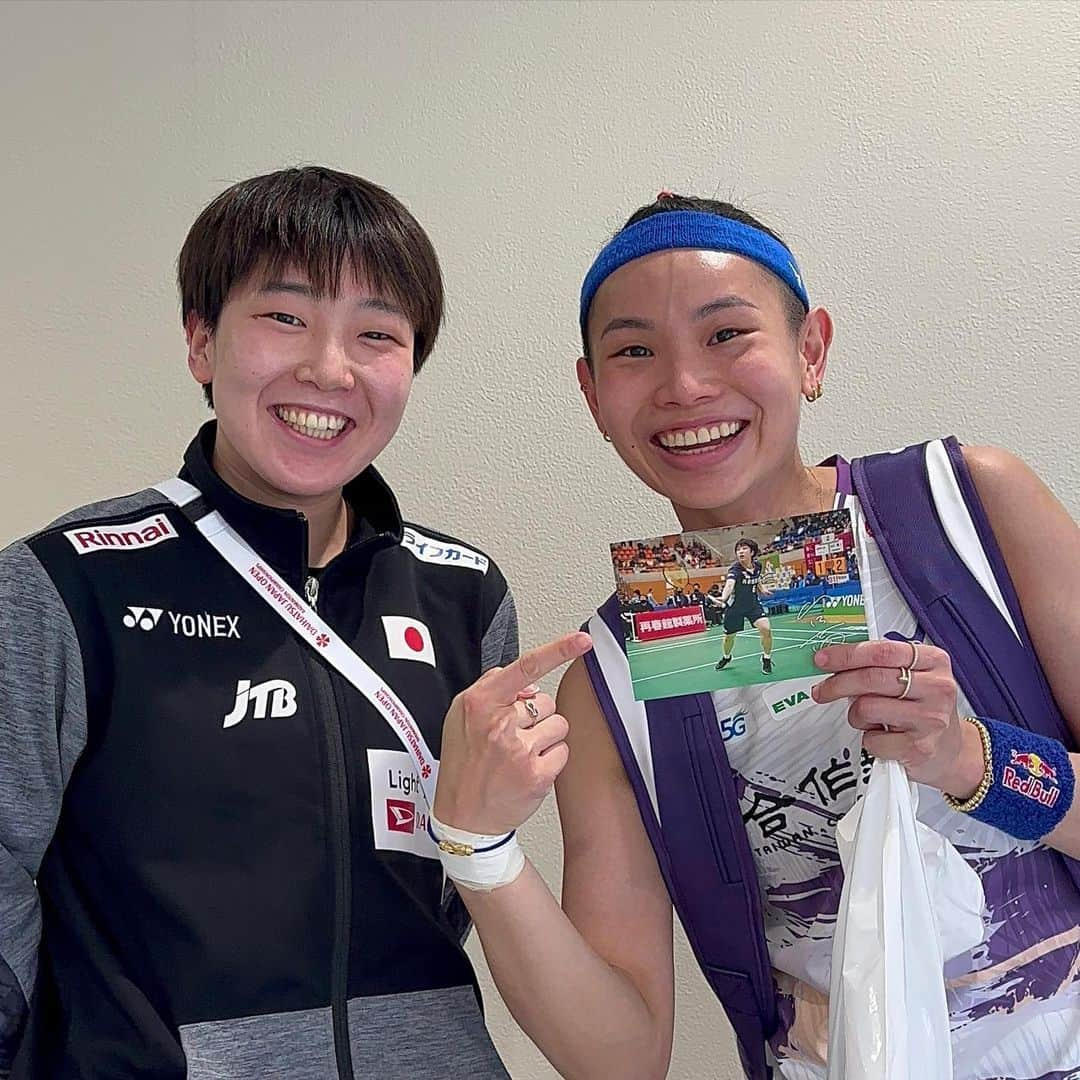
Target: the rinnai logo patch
pixel 428 549
pixel 135 534
pixel 398 811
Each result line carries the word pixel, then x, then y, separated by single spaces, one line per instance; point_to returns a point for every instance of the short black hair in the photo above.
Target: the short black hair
pixel 746 542
pixel 665 203
pixel 320 221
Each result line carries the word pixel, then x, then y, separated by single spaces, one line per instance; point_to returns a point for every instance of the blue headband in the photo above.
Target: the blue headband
pixel 691 229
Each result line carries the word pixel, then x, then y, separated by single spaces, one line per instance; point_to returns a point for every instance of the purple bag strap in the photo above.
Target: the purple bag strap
pixel 702 850
pixel 998 670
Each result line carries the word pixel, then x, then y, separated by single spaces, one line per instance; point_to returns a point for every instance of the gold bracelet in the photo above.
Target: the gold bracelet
pixel 453 847
pixel 987 782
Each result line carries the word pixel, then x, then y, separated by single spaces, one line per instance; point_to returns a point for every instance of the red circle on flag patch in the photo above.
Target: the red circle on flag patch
pixel 414 639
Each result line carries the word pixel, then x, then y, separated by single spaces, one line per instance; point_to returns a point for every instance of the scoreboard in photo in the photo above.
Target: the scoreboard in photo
pixel 827 556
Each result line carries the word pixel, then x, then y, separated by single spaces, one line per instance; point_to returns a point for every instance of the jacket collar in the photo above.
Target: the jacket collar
pixel 280 536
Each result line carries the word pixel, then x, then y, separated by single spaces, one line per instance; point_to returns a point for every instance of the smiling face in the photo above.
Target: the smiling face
pixel 308 389
pixel 697 375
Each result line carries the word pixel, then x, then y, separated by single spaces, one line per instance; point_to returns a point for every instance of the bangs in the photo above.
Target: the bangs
pixel 319 223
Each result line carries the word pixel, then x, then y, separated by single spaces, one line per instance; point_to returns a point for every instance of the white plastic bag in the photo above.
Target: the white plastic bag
pixel 909 903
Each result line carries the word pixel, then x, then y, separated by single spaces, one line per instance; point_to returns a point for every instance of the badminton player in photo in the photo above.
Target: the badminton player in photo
pixel 741 598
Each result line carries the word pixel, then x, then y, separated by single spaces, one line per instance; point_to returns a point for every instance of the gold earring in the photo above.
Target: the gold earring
pixel 816 392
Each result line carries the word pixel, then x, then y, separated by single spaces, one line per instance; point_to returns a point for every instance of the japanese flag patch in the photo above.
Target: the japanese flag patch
pixel 408 639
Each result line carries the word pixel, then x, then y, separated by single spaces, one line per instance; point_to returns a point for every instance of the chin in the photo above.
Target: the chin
pixel 307 485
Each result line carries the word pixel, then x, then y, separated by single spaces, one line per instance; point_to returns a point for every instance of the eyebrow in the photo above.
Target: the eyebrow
pixel 703 312
pixel 722 302
pixel 302 288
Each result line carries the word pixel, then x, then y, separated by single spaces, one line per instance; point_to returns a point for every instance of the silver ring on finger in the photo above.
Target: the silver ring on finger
pixel 532 710
pixel 905 679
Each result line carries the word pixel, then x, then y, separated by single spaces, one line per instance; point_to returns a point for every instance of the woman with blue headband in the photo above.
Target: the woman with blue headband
pixel 699 344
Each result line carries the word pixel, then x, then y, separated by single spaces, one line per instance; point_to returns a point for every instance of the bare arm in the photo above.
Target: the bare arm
pixel 924 730
pixel 1041 545
pixel 593 985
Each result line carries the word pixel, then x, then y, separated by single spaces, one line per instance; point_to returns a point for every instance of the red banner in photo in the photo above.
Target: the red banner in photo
pixel 669 622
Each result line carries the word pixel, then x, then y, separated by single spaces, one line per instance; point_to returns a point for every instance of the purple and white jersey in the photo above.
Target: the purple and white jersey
pixel 1015 999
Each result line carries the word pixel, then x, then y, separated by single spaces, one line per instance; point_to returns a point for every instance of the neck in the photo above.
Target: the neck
pixel 798 489
pixel 327 513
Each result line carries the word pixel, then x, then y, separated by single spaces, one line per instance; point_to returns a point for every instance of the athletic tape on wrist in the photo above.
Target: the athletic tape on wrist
pixel 494 861
pixel 1033 782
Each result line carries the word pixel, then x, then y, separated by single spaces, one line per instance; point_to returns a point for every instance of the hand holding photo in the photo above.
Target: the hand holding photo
pixel 711 610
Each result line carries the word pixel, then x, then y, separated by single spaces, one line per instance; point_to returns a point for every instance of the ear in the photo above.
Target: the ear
pixel 200 348
pixel 588 387
pixel 815 337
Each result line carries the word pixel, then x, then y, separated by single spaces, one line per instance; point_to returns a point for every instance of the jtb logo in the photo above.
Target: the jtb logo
pixel 275 696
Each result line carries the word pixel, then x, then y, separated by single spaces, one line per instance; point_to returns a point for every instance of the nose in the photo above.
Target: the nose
pixel 328 367
pixel 687 379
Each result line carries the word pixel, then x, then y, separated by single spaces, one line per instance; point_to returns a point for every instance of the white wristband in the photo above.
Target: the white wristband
pixel 482 870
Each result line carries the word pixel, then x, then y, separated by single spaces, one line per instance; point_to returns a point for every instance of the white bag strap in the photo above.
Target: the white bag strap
pixel 307 623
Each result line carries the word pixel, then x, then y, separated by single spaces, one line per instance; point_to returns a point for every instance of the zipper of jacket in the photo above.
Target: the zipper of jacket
pixel 327 709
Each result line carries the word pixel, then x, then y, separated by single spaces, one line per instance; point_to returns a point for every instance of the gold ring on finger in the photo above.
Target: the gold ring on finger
pixel 914 655
pixel 905 679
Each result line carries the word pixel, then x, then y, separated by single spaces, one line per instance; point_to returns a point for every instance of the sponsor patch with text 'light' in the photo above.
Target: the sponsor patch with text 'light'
pixel 398 810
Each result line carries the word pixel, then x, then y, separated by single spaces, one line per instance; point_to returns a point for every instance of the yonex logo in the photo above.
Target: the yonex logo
pixel 145 618
pixel 275 698
pixel 145 533
pixel 200 625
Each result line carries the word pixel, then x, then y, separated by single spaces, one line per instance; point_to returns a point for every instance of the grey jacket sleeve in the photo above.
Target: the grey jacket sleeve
pixel 42 733
pixel 500 644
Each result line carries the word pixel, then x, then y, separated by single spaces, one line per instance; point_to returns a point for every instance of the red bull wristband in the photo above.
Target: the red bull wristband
pixel 1028 783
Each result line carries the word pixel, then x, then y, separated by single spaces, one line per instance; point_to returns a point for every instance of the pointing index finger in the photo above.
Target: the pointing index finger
pixel 533 665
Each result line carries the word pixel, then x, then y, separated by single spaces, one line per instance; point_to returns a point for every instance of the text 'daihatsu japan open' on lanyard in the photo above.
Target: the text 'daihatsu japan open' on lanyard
pixel 308 624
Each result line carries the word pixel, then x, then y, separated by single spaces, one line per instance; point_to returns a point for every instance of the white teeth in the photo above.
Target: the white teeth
pixel 701 436
pixel 313 424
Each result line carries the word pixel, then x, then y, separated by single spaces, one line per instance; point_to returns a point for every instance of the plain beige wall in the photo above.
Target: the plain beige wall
pixel 920 159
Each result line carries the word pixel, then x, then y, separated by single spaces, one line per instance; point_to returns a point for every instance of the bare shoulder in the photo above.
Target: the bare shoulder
pixel 996 470
pixel 1041 546
pixel 1015 499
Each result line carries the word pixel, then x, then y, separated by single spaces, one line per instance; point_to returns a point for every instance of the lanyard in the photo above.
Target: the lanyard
pixel 309 625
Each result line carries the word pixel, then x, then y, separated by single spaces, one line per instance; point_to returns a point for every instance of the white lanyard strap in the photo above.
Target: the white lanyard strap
pixel 309 625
